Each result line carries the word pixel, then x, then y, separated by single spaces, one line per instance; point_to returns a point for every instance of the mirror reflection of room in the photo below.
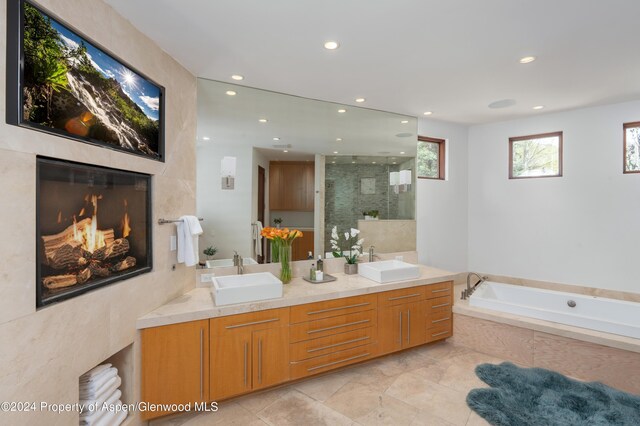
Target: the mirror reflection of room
pixel 299 164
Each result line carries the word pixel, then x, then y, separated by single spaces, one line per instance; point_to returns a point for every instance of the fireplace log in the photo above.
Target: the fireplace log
pixel 53 242
pixel 68 255
pixel 83 276
pixel 98 270
pixel 59 281
pixel 113 249
pixel 128 262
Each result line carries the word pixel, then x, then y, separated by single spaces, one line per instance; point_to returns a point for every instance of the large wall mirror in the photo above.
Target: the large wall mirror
pixel 282 160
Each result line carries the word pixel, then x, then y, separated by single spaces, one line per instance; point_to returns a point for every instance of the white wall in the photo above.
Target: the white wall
pixel 582 228
pixel 441 206
pixel 227 213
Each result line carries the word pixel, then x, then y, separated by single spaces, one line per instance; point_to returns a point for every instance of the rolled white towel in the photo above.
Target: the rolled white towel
pixel 100 380
pixel 104 391
pixel 94 372
pixel 111 418
pixel 98 404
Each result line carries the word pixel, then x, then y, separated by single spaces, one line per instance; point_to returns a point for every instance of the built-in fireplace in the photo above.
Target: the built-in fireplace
pixel 93 227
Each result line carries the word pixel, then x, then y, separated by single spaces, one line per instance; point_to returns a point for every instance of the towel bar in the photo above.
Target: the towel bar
pixel 163 221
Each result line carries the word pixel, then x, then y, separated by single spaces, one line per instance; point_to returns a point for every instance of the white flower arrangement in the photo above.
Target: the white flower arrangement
pixel 350 249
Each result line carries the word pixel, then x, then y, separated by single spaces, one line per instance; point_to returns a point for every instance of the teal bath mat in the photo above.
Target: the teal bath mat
pixel 537 397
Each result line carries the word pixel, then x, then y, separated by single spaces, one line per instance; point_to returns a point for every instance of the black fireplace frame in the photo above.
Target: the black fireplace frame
pixel 102 282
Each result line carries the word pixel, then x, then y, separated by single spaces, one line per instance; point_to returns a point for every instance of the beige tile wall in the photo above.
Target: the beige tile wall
pixel 42 353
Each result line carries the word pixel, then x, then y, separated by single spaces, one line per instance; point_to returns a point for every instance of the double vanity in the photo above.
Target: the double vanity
pixel 198 349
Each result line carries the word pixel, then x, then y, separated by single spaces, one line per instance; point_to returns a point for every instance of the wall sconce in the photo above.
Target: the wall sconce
pixel 394 181
pixel 228 172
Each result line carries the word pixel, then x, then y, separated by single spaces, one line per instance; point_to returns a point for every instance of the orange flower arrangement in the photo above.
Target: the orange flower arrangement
pixel 281 240
pixel 282 236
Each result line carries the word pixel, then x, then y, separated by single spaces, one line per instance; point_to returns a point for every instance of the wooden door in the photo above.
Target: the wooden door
pixel 175 368
pixel 309 185
pixel 270 357
pixel 230 364
pixel 275 187
pixel 415 324
pixel 391 328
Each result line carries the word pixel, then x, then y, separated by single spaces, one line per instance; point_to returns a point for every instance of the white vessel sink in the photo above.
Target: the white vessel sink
pixel 231 289
pixel 229 262
pixel 387 271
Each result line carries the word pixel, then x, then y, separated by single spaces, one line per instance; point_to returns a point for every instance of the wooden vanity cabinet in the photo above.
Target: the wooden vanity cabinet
pixel 291 185
pixel 401 319
pixel 439 311
pixel 248 352
pixel 175 365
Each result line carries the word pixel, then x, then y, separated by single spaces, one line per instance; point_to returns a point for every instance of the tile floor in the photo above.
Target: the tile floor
pixel 422 386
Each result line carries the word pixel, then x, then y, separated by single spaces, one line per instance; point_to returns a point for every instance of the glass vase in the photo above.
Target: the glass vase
pixel 285 263
pixel 275 251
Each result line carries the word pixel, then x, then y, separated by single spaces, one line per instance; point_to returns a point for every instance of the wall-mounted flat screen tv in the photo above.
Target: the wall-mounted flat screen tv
pixel 61 82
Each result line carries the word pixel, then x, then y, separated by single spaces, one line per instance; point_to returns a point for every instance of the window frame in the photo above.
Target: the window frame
pixel 536 136
pixel 625 126
pixel 441 157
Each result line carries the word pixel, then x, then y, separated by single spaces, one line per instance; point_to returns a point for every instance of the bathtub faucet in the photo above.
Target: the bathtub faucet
pixel 469 290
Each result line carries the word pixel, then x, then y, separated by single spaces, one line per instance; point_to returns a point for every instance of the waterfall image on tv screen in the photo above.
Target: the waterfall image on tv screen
pixel 72 87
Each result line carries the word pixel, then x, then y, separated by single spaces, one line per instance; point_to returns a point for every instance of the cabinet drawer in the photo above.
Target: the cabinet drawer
pixel 437 319
pixel 439 289
pixel 438 305
pixel 441 331
pixel 335 343
pixel 331 361
pixel 334 325
pixel 332 308
pixel 404 295
pixel 260 320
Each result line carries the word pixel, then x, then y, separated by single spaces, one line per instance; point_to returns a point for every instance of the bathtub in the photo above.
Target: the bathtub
pixel 595 313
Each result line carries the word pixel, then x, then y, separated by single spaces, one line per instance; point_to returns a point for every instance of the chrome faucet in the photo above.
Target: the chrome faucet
pixel 372 254
pixel 469 290
pixel 237 262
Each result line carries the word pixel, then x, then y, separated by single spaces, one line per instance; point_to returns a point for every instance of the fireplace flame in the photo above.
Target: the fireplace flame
pixel 59 216
pixel 89 236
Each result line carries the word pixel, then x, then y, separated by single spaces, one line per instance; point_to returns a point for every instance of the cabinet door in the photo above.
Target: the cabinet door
pixel 415 324
pixel 309 186
pixel 270 357
pixel 175 367
pixel 275 187
pixel 230 364
pixel 391 333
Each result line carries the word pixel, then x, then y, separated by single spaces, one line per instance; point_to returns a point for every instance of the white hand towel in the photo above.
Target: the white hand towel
pixel 257 237
pixel 92 416
pixel 94 385
pixel 94 372
pixel 107 389
pixel 188 230
pixel 84 381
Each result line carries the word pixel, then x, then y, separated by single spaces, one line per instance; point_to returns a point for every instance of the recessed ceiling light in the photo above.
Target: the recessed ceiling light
pixel 428 113
pixel 527 59
pixel 237 77
pixel 393 162
pixel 401 152
pixel 231 93
pixel 285 150
pixel 353 162
pixel 206 138
pixel 373 162
pixel 342 110
pixel 338 139
pixel 331 45
pixel 276 139
pixel 333 162
pixel 538 107
pixel 263 120
pixel 335 152
pixel 404 121
pixel 360 100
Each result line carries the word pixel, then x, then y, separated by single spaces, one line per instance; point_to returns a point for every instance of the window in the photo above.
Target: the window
pixel 430 158
pixel 632 147
pixel 535 156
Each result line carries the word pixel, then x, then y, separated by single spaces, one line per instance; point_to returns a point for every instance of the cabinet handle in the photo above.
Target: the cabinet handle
pixel 337 362
pixel 440 306
pixel 259 361
pixel 440 320
pixel 400 322
pixel 252 323
pixel 440 291
pixel 338 344
pixel 338 308
pixel 338 326
pixel 408 326
pixel 245 363
pixel 404 297
pixel 439 334
pixel 201 364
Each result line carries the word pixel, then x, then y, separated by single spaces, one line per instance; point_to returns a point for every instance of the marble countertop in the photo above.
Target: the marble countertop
pixel 198 303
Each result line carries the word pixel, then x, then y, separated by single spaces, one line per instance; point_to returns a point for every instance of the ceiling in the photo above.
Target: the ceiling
pixel 451 57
